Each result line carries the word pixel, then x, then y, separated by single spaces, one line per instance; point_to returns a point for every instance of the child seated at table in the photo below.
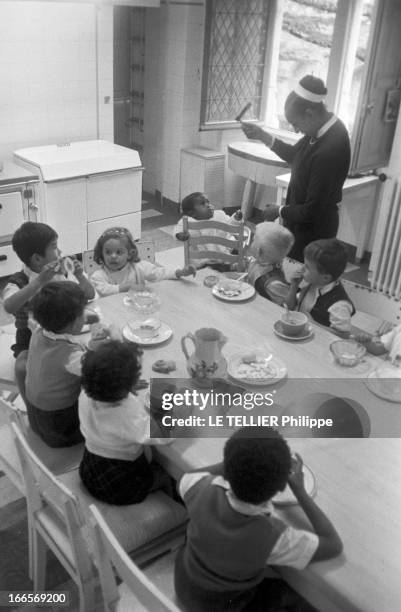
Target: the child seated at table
pixel 52 374
pixel 197 206
pixel 271 243
pixel 387 339
pixel 234 533
pixel 121 269
pixel 116 426
pixel 36 246
pixel 322 295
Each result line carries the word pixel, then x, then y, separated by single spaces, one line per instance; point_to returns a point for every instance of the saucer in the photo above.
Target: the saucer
pixel 162 333
pixel 278 330
pixel 380 390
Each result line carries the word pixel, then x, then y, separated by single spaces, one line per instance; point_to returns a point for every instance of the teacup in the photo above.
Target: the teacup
pixel 293 323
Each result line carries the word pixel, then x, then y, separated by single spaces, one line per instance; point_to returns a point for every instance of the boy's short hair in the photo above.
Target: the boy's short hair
pixel 189 202
pixel 58 304
pixel 273 236
pixel 32 238
pixel 116 233
pixel 257 463
pixel 329 256
pixel 110 372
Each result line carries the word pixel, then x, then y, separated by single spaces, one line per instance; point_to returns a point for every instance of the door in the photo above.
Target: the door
pixel 380 91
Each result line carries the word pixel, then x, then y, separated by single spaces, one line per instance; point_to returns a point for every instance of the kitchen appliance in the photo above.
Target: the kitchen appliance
pixel 86 187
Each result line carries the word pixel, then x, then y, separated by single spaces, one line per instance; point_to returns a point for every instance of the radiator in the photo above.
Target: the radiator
pixel 385 265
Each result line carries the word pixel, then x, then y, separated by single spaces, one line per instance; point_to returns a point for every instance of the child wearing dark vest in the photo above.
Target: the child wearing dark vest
pixel 233 532
pixel 53 379
pixel 36 246
pixel 322 295
pixel 116 426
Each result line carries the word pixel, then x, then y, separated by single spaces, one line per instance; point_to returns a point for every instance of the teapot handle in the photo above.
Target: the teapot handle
pixel 183 346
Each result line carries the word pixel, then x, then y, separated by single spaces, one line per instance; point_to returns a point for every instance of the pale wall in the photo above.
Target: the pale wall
pixel 56 66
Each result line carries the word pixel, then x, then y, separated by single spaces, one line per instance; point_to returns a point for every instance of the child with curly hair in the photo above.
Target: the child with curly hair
pixel 234 534
pixel 116 426
pixel 121 269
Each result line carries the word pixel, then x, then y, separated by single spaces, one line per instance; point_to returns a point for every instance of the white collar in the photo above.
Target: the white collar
pixel 326 126
pixel 30 273
pixel 240 506
pixel 327 288
pixel 68 337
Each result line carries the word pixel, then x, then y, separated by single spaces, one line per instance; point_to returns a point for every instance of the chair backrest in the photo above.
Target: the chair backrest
pixel 146 250
pixel 48 496
pixel 231 237
pixel 110 554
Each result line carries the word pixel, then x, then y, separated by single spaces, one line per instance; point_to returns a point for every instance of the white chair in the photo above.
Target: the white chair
pixel 57 460
pixel 136 592
pixel 236 239
pixel 56 522
pixel 146 250
pixel 7 362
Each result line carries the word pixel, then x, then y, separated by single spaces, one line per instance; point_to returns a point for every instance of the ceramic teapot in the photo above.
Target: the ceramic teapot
pixel 207 362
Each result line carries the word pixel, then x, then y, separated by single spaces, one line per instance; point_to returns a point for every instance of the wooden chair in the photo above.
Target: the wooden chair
pixel 56 522
pixel 137 592
pixel 194 250
pixel 146 251
pixel 8 383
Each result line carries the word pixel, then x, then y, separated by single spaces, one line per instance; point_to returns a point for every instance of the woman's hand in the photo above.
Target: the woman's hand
pixel 256 132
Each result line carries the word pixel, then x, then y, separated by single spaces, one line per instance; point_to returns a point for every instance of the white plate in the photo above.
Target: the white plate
pixel 162 334
pixel 252 373
pixel 247 291
pixel 287 497
pixel 373 384
pixel 278 330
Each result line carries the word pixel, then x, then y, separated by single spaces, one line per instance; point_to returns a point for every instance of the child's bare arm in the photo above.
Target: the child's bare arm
pixel 83 282
pixel 330 544
pixel 17 300
pixel 291 299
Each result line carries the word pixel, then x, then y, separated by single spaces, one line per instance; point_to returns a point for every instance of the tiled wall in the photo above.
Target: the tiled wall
pixel 173 79
pixel 51 88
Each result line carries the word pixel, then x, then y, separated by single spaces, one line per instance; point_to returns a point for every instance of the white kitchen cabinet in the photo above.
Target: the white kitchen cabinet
pixel 17 204
pixel 85 188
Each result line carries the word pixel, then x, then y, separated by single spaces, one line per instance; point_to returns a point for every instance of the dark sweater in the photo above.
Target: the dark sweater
pixel 320 311
pixel 318 172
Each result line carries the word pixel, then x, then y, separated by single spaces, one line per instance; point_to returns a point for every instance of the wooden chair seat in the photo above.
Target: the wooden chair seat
pixel 144 530
pixel 57 460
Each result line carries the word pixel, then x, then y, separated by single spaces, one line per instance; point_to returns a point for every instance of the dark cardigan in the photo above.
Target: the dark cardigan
pixel 318 171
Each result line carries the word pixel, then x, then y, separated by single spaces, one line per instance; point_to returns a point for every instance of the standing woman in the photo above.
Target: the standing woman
pixel 319 165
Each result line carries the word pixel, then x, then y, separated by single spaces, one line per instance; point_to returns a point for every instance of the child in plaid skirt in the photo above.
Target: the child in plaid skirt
pixel 116 426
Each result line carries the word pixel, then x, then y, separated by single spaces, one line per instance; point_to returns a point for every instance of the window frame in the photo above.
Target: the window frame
pixel 345 40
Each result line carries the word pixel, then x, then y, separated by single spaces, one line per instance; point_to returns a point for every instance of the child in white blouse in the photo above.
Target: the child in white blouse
pixel 121 268
pixel 116 426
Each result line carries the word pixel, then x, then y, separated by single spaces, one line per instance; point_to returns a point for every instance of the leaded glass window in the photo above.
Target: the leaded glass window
pixel 234 61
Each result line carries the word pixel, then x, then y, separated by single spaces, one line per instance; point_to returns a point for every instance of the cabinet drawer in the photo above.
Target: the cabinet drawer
pixel 131 222
pixel 9 262
pixel 11 212
pixel 114 193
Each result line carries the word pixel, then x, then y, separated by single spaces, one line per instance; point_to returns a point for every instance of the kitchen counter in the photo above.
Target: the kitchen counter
pixel 12 174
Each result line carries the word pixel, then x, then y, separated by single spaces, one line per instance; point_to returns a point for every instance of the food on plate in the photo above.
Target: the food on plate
pixel 229 289
pixel 257 368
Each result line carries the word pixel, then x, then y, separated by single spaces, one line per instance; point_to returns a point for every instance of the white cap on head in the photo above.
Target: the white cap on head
pixel 308 95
